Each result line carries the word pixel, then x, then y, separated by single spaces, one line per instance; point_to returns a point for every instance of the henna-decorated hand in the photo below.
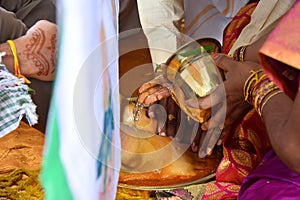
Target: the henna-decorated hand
pixel 37 51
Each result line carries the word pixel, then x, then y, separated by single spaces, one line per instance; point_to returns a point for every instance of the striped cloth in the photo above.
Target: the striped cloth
pixel 15 102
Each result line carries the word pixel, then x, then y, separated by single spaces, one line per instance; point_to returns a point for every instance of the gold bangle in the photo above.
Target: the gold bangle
pixel 16 61
pixel 247 85
pixel 265 100
pixel 235 55
pixel 242 53
pixel 263 92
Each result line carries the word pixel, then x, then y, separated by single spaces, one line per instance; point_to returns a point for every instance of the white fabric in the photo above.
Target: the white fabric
pixel 263 20
pixel 15 102
pixel 82 91
pixel 160 20
pixel 208 18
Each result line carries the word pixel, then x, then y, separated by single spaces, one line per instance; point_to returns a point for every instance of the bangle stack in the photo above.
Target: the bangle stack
pixel 259 89
pixel 239 54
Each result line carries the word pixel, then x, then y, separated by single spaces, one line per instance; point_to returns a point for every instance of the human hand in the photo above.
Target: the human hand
pixel 169 120
pixel 37 51
pixel 154 90
pixel 227 99
pixel 167 115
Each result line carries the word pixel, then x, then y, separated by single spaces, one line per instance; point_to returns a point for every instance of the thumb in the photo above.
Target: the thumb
pixel 224 62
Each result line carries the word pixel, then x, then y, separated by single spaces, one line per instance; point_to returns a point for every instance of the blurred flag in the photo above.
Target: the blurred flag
pixel 82 157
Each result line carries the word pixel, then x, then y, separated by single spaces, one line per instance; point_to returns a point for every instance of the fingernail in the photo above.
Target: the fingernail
pixel 162 134
pixel 192 102
pixel 204 103
pixel 219 142
pixel 194 147
pixel 204 126
pixel 195 103
pixel 151 114
pixel 202 154
pixel 215 56
pixel 208 151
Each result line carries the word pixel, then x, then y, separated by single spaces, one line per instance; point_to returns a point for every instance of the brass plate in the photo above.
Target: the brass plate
pixel 168 187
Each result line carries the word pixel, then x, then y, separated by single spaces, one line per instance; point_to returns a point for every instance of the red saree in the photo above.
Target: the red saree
pixel 246 142
pixel 235 27
pixel 280 58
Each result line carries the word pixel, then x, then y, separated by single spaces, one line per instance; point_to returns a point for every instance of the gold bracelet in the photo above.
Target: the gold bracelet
pixel 242 53
pixel 247 85
pixel 263 92
pixel 265 100
pixel 235 55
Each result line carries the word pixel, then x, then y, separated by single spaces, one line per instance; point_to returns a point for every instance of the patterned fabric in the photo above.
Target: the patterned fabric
pixel 219 190
pixel 245 144
pixel 246 141
pixel 234 28
pixel 15 102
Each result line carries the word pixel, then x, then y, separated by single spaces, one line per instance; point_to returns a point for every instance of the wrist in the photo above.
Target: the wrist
pixel 17 70
pixel 240 53
pixel 259 89
pixel 25 66
pixel 8 59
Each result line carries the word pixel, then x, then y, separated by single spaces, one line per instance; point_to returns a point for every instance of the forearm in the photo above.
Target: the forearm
pixel 281 116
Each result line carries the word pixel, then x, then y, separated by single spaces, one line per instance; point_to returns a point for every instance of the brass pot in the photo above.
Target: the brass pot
pixel 193 74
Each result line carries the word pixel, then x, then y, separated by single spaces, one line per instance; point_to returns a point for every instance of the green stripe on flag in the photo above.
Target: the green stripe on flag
pixel 53 174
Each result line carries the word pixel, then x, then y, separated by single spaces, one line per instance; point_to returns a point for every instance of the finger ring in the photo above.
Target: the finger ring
pixel 171 117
